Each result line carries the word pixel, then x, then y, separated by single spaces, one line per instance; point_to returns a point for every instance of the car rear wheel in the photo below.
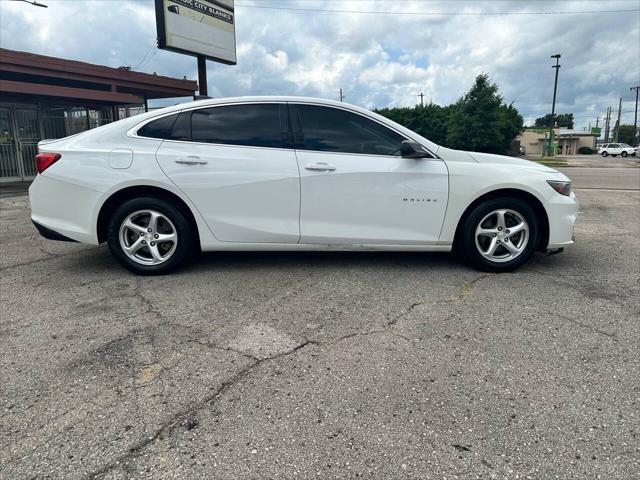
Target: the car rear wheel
pixel 500 234
pixel 604 154
pixel 149 236
pixel 624 154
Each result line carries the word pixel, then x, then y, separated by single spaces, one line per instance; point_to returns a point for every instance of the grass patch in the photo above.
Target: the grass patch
pixel 552 162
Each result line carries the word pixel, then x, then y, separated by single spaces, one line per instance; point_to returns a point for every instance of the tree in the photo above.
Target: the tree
pixel 429 121
pixel 564 120
pixel 481 122
pixel 511 123
pixel 478 121
pixel 626 135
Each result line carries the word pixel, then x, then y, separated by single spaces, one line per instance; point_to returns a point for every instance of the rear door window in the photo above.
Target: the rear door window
pixel 255 125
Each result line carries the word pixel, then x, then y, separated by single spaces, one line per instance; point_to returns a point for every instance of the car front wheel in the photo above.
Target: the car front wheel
pixel 604 154
pixel 624 154
pixel 149 236
pixel 500 234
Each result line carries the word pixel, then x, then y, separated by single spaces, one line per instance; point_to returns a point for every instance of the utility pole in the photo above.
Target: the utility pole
pixel 553 104
pixel 421 99
pixel 595 142
pixel 636 137
pixel 618 122
pixel 606 125
pixel 341 95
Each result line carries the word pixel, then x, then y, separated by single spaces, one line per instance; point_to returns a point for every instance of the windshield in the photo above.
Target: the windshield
pixel 624 145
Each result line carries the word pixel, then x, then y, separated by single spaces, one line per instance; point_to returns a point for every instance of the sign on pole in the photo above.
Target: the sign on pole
pixel 202 28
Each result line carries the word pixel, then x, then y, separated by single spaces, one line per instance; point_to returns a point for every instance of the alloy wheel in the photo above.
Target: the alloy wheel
pixel 148 237
pixel 502 235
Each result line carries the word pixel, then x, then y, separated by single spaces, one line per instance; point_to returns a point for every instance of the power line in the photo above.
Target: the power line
pixel 144 58
pixel 451 14
pixel 145 62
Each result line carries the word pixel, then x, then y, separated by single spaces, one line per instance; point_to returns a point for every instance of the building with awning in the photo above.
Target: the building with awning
pixel 47 97
pixel 568 141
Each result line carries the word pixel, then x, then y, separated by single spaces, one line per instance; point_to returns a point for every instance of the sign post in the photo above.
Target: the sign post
pixel 204 29
pixel 203 91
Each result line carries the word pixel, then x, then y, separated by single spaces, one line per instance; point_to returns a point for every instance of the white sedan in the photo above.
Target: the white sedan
pixel 291 173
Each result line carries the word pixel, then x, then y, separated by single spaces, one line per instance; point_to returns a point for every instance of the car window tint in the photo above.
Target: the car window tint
pixel 181 129
pixel 160 128
pixel 251 125
pixel 334 130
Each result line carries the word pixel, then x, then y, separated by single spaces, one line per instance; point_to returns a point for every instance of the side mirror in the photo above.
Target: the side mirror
pixel 411 149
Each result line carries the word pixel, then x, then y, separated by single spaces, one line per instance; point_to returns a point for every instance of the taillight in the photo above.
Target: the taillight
pixel 45 160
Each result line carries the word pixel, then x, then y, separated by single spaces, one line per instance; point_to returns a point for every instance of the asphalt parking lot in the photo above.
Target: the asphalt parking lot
pixel 324 365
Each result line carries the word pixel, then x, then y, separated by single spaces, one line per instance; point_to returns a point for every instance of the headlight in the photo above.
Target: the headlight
pixel 563 188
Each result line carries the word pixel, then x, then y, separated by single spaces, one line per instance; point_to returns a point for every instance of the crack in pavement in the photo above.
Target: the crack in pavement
pixel 458 296
pixel 182 415
pixel 51 256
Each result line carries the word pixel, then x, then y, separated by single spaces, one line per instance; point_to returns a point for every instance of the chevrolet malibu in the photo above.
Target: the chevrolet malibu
pixel 290 173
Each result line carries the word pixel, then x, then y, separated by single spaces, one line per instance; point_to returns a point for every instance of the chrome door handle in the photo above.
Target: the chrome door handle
pixel 190 160
pixel 320 166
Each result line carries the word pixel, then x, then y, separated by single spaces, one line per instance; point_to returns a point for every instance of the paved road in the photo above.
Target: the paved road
pixel 609 178
pixel 281 365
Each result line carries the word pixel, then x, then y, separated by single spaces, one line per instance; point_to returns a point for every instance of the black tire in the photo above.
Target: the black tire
pixel 604 154
pixel 466 241
pixel 184 248
pixel 624 154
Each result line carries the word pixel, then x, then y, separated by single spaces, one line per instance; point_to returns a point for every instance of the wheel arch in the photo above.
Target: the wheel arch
pixel 536 204
pixel 128 193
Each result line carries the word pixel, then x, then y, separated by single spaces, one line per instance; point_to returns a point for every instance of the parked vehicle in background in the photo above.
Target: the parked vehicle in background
pixel 615 149
pixel 291 173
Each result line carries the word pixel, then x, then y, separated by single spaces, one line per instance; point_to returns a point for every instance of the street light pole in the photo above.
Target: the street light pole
pixel 553 104
pixel 636 137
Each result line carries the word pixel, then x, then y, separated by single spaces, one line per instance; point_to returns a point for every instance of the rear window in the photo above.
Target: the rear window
pixel 171 127
pixel 160 128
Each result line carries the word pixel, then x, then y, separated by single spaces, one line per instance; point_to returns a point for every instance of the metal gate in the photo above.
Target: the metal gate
pixel 19 137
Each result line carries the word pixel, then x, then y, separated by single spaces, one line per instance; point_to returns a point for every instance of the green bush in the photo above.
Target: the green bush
pixel 585 151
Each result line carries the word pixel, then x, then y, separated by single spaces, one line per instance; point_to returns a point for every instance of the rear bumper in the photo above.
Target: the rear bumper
pixel 63 208
pixel 51 234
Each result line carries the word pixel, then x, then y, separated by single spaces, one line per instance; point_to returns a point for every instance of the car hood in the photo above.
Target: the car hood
pixel 504 160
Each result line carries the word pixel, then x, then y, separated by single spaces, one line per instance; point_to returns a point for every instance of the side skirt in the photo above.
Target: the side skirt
pixel 324 247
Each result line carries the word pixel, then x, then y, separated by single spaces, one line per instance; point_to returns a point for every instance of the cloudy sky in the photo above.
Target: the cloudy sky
pixel 380 52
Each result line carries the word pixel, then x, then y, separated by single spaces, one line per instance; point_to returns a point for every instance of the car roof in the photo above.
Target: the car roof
pixel 257 99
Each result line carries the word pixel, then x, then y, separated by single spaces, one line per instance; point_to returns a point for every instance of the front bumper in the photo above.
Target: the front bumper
pixel 562 213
